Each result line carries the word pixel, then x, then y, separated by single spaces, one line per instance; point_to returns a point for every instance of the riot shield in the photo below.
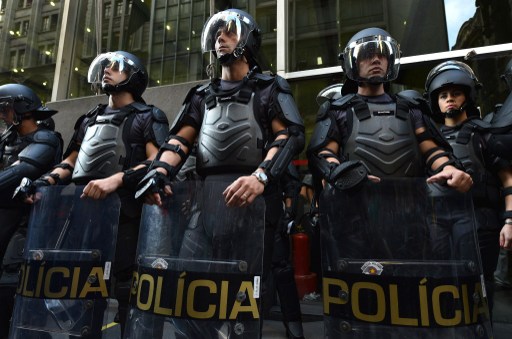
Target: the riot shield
pixel 199 266
pixel 400 260
pixel 64 280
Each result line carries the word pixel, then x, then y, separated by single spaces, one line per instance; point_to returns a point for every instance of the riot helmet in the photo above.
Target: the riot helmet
pixel 507 75
pixel 452 73
pixel 25 103
pixel 119 61
pixel 241 25
pixel 365 45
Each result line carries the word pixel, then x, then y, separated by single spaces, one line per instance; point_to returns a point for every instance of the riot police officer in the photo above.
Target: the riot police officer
pixel 26 150
pixel 282 270
pixel 451 88
pixel 131 132
pixel 371 59
pixel 271 128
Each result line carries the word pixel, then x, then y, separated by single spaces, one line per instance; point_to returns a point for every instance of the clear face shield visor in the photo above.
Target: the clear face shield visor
pixel 229 23
pixel 6 106
pixel 116 63
pixel 367 49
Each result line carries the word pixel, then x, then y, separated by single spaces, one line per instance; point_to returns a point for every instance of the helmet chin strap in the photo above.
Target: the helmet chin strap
pixel 229 59
pixel 453 113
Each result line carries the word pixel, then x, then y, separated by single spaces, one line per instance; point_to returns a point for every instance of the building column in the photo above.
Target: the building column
pixel 65 50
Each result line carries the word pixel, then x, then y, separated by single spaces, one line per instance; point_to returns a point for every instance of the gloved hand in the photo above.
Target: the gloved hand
pixel 153 182
pixel 288 221
pixel 348 174
pixel 28 187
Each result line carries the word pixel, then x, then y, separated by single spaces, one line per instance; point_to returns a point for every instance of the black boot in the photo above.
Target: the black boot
pixel 294 330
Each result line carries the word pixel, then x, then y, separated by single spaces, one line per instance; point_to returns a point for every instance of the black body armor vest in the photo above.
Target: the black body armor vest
pixel 231 139
pixel 103 151
pixel 382 136
pixel 485 190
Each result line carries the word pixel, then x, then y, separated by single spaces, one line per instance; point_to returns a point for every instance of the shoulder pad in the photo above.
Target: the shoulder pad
pixel 159 115
pixel 79 121
pixel 323 110
pixel 282 84
pixel 139 106
pixel 264 78
pixel 44 136
pixel 480 124
pixel 343 101
pixel 94 111
pixel 199 89
pixel 413 97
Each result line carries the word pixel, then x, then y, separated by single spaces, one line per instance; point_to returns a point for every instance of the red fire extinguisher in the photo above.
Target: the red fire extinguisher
pixel 304 279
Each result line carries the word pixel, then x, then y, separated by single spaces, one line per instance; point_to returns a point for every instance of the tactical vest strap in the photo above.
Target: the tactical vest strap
pixel 244 96
pixel 402 109
pixel 464 135
pixel 361 110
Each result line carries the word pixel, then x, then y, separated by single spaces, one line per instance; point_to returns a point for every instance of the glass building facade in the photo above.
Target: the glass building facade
pixel 48 45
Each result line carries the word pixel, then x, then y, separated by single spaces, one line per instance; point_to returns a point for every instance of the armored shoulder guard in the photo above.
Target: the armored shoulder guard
pixel 343 102
pixel 284 104
pixel 181 118
pixel 322 127
pixel 45 150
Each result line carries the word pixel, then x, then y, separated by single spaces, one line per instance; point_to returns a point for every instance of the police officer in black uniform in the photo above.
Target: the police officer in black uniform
pixel 406 143
pixel 282 270
pixel 137 130
pixel 451 88
pixel 27 149
pixel 275 127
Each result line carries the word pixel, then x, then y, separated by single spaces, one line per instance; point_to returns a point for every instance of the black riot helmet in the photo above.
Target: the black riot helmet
pixel 507 75
pixel 366 44
pixel 119 61
pixel 452 73
pixel 24 101
pixel 235 22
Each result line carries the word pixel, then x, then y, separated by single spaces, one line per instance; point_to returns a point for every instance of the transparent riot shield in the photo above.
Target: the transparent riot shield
pixel 199 267
pixel 400 260
pixel 64 280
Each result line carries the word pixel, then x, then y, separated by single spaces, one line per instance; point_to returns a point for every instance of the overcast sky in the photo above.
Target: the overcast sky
pixel 457 12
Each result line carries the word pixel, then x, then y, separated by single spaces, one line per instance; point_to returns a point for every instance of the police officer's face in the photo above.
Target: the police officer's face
pixel 451 98
pixel 112 75
pixel 226 39
pixel 375 65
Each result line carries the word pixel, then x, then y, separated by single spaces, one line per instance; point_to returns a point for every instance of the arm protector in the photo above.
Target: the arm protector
pixel 286 110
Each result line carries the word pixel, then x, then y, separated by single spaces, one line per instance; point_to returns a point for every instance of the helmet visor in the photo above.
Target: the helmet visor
pixel 116 62
pixel 230 23
pixel 368 48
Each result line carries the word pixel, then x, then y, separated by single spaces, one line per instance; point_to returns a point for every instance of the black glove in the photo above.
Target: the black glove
pixel 348 174
pixel 153 182
pixel 28 187
pixel 288 222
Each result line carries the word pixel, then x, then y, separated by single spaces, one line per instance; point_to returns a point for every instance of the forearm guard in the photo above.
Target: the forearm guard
pixel 288 148
pixel 346 175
